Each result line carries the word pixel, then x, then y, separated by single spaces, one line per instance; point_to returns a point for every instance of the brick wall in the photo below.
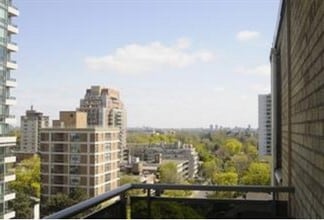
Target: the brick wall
pixel 300 42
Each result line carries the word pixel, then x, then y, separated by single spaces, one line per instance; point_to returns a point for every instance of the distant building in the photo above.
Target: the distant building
pixel 30 124
pixel 264 142
pixel 74 155
pixel 168 152
pixel 105 108
pixel 7 143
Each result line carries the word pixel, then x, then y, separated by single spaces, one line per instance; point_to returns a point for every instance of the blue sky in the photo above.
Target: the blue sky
pixel 176 63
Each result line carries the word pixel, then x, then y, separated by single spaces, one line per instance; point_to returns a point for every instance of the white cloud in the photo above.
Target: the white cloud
pixel 247 35
pixel 260 88
pixel 244 97
pixel 183 43
pixel 262 70
pixel 136 58
pixel 218 89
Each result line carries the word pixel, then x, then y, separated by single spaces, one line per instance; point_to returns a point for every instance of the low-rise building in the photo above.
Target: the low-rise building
pixel 168 152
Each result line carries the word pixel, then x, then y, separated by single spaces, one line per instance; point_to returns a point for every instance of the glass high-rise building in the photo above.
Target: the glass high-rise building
pixel 7 143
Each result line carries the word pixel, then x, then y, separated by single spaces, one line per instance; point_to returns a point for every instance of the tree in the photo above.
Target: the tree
pixel 125 179
pixel 61 201
pixel 224 178
pixel 209 168
pixel 163 210
pixel 203 153
pixel 168 173
pixel 27 185
pixel 28 177
pixel 241 163
pixel 23 206
pixel 56 203
pixel 251 151
pixel 257 174
pixel 173 210
pixel 233 146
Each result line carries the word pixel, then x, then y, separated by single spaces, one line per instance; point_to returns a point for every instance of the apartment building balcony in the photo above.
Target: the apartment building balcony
pixel 12 65
pixel 13 29
pixel 13 11
pixel 58 180
pixel 10 119
pixel 58 159
pixel 11 46
pixel 11 101
pixel 10 159
pixel 9 214
pixel 10 177
pixel 153 203
pixel 9 195
pixel 11 83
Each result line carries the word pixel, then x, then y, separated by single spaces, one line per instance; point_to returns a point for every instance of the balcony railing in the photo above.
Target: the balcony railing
pixel 153 204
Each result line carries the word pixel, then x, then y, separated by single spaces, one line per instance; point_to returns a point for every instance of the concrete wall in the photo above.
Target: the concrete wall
pixel 74 119
pixel 300 43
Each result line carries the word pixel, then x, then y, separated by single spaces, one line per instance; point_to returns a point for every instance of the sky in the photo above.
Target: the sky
pixel 176 63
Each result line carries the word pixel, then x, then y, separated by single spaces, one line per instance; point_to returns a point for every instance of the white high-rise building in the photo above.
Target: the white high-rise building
pixel 264 142
pixel 7 143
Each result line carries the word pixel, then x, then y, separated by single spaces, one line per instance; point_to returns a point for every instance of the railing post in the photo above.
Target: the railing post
pixel 274 201
pixel 128 207
pixel 149 203
pixel 123 207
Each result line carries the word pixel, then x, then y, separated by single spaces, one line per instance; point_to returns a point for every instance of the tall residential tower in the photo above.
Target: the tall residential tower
pixel 105 108
pixel 30 124
pixel 7 143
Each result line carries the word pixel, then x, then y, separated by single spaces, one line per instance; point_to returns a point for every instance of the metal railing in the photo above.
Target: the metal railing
pixel 87 204
pixel 154 190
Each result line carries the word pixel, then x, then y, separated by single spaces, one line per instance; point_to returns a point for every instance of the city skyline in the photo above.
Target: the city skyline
pixel 196 64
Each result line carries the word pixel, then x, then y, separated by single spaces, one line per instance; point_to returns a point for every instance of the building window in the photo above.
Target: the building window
pixel 107 136
pixel 74 169
pixel 108 147
pixel 44 136
pixel 107 177
pixel 107 187
pixel 107 157
pixel 107 167
pixel 74 137
pixel 75 148
pixel 74 180
pixel 75 159
pixel 58 137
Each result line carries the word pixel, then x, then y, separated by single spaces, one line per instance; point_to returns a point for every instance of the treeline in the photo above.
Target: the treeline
pixel 227 158
pixel 142 138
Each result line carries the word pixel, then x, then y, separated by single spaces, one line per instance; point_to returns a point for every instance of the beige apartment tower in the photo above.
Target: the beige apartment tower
pixel 76 156
pixel 105 108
